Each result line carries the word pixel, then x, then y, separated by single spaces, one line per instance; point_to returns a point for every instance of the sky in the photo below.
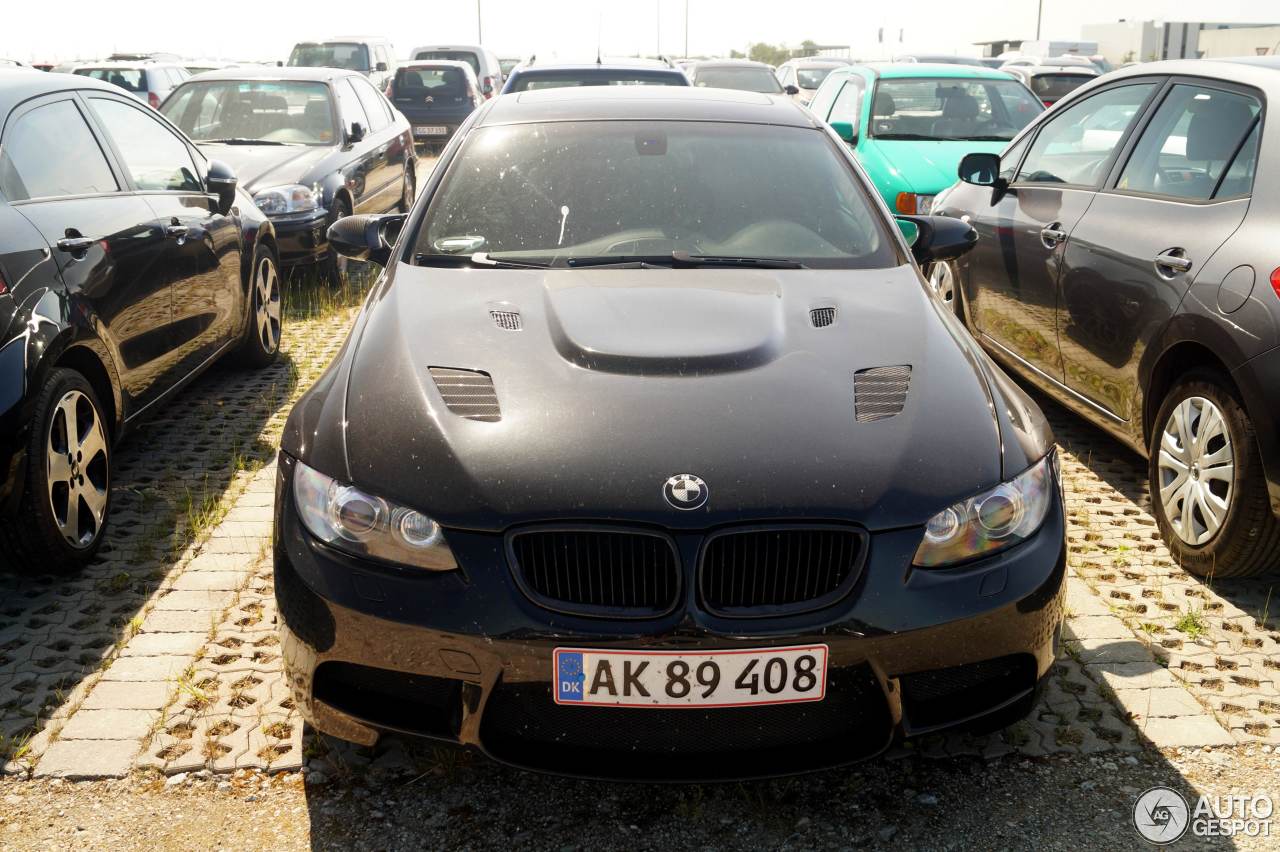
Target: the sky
pixel 570 28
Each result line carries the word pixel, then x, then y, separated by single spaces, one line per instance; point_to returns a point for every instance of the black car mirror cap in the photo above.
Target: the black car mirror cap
pixel 844 129
pixel 366 237
pixel 221 180
pixel 791 89
pixel 355 133
pixel 940 238
pixel 380 67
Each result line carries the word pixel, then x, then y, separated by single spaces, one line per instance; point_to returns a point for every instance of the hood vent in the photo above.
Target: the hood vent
pixel 880 392
pixel 468 393
pixel 510 320
pixel 822 317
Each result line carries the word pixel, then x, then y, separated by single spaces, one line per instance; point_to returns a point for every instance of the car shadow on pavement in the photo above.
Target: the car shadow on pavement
pixel 170 476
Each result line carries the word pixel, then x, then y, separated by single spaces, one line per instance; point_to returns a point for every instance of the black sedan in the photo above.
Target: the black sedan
pixel 1127 266
pixel 128 264
pixel 311 145
pixel 668 465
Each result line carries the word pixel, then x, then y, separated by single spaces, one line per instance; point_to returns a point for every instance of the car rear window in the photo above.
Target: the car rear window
pixel 331 54
pixel 438 82
pixel 528 80
pixel 811 78
pixel 546 192
pixel 129 79
pixel 1051 87
pixel 742 79
pixel 467 56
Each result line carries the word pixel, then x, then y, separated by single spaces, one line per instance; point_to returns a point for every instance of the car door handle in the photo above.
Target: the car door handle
pixel 1169 264
pixel 75 245
pixel 1052 235
pixel 176 231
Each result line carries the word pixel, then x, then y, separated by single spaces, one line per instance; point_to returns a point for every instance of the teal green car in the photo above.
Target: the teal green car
pixel 910 123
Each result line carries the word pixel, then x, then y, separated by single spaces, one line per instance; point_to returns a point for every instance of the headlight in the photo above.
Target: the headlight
pixel 991 521
pixel 277 200
pixel 361 524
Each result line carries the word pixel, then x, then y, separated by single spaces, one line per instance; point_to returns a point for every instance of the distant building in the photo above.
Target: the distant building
pixel 1034 47
pixel 1240 41
pixel 1147 41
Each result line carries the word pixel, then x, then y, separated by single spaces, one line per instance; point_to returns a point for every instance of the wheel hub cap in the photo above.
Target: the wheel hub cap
pixel 77 469
pixel 266 284
pixel 1196 468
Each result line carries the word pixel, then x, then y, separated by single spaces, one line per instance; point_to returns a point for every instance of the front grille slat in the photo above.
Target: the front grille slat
pixel 762 571
pixel 604 571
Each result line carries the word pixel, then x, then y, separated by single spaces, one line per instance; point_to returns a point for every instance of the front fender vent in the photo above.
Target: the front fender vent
pixel 880 392
pixel 467 393
pixel 510 320
pixel 822 317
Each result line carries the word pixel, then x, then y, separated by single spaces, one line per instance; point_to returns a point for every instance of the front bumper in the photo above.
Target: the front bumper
pixel 302 237
pixel 466 658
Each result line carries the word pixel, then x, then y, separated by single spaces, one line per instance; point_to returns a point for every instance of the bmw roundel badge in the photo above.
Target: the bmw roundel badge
pixel 686 491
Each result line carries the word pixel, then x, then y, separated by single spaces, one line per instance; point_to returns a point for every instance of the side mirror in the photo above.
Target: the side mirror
pixel 221 181
pixel 366 237
pixel 487 88
pixel 938 237
pixel 980 169
pixel 356 133
pixel 381 66
pixel 844 129
pixel 791 89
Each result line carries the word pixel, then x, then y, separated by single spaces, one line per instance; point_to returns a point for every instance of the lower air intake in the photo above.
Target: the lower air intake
pixel 880 392
pixel 468 393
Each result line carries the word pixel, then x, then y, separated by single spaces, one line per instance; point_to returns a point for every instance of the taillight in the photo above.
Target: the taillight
pixel 1275 281
pixel 1047 103
pixel 488 87
pixel 154 100
pixel 4 285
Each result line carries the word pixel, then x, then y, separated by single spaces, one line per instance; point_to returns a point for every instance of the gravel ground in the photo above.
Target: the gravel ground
pixel 1065 802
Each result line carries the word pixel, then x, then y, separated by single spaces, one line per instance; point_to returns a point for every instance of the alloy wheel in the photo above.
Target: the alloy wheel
pixel 77 465
pixel 942 280
pixel 266 285
pixel 1196 470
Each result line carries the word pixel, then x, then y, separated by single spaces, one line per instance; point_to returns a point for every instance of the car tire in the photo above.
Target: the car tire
pixel 66 495
pixel 409 192
pixel 335 265
pixel 265 322
pixel 944 280
pixel 1202 429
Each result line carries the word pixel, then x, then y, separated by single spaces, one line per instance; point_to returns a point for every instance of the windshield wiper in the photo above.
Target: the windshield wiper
pixel 683 260
pixel 240 140
pixel 908 137
pixel 480 259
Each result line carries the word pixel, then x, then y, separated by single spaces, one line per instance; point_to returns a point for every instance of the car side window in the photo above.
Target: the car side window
pixel 349 105
pixel 155 158
pixel 50 152
pixel 1190 142
pixel 847 106
pixel 1010 159
pixel 1238 180
pixel 1075 146
pixel 826 94
pixel 373 104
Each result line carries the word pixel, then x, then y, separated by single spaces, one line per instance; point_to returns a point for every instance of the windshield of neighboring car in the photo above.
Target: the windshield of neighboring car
pixel 548 192
pixel 468 56
pixel 333 54
pixel 527 80
pixel 743 78
pixel 129 79
pixel 947 109
pixel 1051 87
pixel 811 78
pixel 267 111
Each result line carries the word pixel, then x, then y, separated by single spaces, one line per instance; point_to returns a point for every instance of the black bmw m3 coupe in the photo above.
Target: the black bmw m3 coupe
pixel 652 456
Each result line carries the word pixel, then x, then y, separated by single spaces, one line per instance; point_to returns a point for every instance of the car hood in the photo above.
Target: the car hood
pixel 260 166
pixel 619 379
pixel 914 166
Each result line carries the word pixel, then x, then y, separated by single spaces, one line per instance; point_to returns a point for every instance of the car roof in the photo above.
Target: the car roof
pixel 1056 70
pixel 628 62
pixel 729 63
pixel 19 85
pixel 822 61
pixel 474 48
pixel 1259 72
pixel 604 68
pixel 645 103
pixel 276 72
pixel 436 63
pixel 909 70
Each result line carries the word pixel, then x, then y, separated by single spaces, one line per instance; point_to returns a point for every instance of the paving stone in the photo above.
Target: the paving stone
pixel 1198 730
pixel 203 602
pixel 84 760
pixel 202 581
pixel 1097 627
pixel 1095 651
pixel 130 725
pixel 221 561
pixel 135 669
pixel 121 695
pixel 1134 675
pixel 1168 701
pixel 164 644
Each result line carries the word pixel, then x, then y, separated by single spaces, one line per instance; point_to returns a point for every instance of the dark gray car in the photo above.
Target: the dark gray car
pixel 1126 263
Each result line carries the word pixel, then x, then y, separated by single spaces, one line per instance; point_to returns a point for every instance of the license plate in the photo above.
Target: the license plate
pixel 430 130
pixel 680 679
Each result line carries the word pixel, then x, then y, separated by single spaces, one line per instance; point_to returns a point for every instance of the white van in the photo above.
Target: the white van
pixel 481 59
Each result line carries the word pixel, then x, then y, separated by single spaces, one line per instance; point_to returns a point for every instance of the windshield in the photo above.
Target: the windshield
pixel 129 79
pixel 951 109
pixel 743 79
pixel 811 78
pixel 467 56
pixel 267 111
pixel 334 54
pixel 1051 87
pixel 545 193
pixel 527 80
